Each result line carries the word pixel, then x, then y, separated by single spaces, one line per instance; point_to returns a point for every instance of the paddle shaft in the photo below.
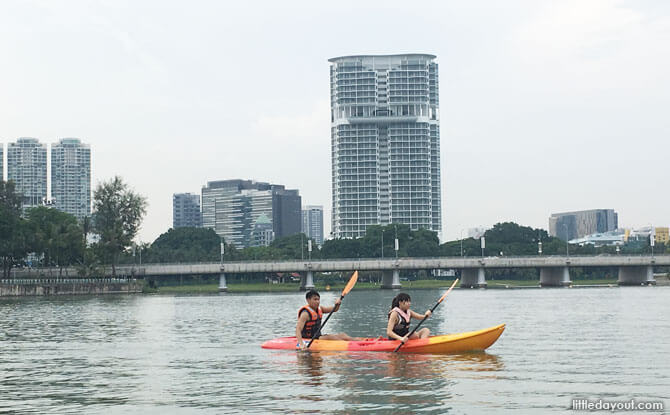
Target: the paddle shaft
pixel 345 291
pixel 417 327
pixel 316 334
pixel 424 319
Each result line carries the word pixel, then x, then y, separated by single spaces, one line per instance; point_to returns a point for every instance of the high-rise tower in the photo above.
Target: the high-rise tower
pixel 186 210
pixel 27 167
pixel 385 142
pixel 71 177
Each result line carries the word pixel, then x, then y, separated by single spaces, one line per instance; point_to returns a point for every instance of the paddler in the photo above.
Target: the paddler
pixel 309 321
pixel 399 317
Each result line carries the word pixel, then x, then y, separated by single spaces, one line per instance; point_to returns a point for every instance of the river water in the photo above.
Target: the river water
pixel 201 354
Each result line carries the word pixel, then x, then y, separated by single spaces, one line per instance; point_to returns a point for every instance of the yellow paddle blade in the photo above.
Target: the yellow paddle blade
pixel 350 284
pixel 448 291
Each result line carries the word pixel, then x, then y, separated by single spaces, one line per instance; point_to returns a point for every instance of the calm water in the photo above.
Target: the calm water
pixel 201 354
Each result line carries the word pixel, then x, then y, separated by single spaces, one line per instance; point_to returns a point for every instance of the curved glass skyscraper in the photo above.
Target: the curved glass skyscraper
pixel 385 142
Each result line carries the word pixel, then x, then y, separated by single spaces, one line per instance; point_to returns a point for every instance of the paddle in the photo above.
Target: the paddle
pixel 345 291
pixel 431 311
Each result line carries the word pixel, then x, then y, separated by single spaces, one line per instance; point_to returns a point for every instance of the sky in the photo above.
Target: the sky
pixel 545 106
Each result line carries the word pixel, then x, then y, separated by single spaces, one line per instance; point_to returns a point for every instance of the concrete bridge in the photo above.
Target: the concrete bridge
pixel 554 270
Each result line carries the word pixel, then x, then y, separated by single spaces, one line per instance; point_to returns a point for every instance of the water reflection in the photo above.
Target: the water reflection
pixel 385 381
pixel 311 366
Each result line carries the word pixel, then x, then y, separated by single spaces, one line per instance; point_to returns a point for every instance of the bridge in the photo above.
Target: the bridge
pixel 554 270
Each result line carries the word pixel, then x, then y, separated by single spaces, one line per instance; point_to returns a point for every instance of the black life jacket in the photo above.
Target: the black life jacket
pixel 313 325
pixel 402 328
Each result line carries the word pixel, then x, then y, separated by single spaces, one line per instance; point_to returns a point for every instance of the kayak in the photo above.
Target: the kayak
pixel 447 343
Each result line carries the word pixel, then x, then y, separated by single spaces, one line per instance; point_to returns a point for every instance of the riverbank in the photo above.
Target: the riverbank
pixel 262 287
pixel 51 287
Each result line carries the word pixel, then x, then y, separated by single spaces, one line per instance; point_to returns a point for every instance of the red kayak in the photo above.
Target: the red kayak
pixel 447 343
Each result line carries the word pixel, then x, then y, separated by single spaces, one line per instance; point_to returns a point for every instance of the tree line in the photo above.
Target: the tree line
pixel 507 239
pixel 43 236
pixel 48 237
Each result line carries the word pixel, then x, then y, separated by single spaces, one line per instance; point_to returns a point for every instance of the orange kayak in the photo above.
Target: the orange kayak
pixel 447 343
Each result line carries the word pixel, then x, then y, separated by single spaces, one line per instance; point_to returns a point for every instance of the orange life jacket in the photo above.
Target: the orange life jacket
pixel 313 325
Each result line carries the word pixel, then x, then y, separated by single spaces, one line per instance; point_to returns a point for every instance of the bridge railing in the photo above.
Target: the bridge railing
pixel 51 281
pixel 124 267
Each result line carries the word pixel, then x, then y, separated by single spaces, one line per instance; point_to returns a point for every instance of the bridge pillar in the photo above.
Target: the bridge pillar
pixel 555 277
pixel 391 279
pixel 307 281
pixel 473 278
pixel 222 283
pixel 636 275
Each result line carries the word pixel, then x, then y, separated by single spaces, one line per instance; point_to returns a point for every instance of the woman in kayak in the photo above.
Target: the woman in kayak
pixel 399 317
pixel 309 321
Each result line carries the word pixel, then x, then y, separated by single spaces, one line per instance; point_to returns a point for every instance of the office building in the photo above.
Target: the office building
pixel 385 142
pixel 27 168
pixel 262 235
pixel 574 225
pixel 233 209
pixel 71 177
pixel 186 210
pixel 312 223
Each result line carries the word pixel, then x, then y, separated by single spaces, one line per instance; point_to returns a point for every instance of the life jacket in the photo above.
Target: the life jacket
pixel 402 328
pixel 313 325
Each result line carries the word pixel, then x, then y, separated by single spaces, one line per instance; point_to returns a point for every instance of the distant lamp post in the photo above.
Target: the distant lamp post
pixel 223 249
pixel 309 249
pixel 652 238
pixel 302 246
pixel 382 243
pixel 483 245
pixel 397 246
pixel 539 247
pixel 461 243
pixel 567 239
pixel 618 250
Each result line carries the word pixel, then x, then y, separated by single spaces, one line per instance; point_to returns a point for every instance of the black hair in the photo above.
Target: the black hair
pixel 397 299
pixel 312 293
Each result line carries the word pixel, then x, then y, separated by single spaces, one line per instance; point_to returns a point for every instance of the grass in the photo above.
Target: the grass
pixel 263 287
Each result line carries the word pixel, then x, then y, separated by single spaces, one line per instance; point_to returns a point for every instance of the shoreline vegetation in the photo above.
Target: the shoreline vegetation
pixel 264 287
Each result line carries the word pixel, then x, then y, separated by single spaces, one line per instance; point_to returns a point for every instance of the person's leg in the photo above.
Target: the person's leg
pixel 421 334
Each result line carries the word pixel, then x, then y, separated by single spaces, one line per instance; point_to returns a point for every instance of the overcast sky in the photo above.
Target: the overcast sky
pixel 545 106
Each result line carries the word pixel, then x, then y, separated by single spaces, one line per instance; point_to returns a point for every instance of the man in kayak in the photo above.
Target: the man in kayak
pixel 309 321
pixel 399 317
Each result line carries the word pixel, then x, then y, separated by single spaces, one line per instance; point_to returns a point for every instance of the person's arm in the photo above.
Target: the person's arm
pixel 302 319
pixel 420 316
pixel 333 308
pixel 393 320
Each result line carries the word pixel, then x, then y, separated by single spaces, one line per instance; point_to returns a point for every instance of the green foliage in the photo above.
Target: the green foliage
pixel 90 265
pixel 118 214
pixel 185 245
pixel 341 248
pixel 56 236
pixel 14 244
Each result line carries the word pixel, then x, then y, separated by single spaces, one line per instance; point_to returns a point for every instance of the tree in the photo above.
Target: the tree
pixel 185 245
pixel 56 235
pixel 341 248
pixel 423 243
pixel 13 234
pixel 118 215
